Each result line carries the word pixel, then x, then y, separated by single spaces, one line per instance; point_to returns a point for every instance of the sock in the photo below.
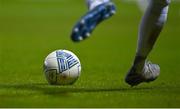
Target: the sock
pixel 150 28
pixel 93 3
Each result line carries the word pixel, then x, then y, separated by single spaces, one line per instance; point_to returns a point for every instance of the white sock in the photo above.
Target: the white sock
pixel 151 26
pixel 93 3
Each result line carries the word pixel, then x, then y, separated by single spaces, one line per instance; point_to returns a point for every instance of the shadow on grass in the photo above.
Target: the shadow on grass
pixel 59 90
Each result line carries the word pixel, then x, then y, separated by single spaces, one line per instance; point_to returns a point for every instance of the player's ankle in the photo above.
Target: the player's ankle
pixel 94 3
pixel 139 62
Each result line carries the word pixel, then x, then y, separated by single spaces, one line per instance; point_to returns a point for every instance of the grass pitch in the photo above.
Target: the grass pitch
pixel 31 29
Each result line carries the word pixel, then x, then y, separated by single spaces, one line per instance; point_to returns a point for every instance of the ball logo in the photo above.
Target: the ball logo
pixel 65 61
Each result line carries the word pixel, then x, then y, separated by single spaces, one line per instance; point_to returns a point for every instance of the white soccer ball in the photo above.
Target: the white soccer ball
pixel 62 67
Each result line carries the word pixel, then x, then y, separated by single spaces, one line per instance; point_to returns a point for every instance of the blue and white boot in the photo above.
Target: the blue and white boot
pixel 91 19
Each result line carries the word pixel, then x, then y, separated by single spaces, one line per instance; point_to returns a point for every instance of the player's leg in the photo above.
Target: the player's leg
pixel 150 28
pixel 99 10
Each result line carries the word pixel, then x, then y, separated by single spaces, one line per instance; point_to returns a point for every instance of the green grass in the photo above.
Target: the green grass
pixel 31 29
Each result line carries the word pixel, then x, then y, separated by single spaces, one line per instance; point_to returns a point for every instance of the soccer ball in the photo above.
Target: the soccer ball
pixel 62 67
